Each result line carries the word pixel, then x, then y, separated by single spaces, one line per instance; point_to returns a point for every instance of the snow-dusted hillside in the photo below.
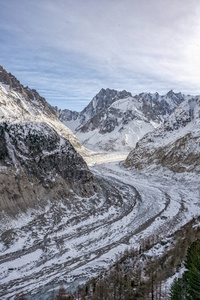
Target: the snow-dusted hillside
pixel 20 103
pixel 116 121
pixel 175 144
pixel 37 160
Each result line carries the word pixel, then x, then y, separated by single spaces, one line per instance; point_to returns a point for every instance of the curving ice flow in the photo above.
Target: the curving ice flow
pixel 70 244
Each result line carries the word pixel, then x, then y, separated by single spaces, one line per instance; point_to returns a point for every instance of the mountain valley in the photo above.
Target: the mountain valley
pixel 68 208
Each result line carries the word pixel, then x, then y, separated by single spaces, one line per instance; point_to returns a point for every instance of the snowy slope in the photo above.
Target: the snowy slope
pixel 175 144
pixel 38 161
pixel 116 128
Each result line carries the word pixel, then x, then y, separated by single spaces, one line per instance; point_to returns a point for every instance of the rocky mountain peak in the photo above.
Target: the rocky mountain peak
pixel 103 100
pixel 170 93
pixel 8 79
pixel 100 102
pixel 175 96
pixel 31 96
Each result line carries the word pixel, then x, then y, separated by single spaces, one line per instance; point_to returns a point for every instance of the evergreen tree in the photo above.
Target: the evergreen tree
pixel 178 291
pixel 188 287
pixel 192 263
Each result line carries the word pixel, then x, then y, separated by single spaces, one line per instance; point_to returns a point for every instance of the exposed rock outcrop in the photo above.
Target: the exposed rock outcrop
pixel 174 145
pixel 37 161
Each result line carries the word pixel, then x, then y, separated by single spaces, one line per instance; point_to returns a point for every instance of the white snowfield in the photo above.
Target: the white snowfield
pixel 118 140
pixel 70 244
pixel 124 136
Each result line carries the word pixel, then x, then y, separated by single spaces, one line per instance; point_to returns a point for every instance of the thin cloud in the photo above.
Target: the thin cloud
pixel 68 50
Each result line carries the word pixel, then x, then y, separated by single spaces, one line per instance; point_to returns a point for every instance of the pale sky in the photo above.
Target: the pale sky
pixel 69 49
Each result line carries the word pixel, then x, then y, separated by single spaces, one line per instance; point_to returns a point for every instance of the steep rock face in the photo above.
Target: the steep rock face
pixel 103 100
pixel 100 102
pixel 174 145
pixel 66 114
pixel 158 107
pixel 37 161
pixel 21 103
pixel 115 121
pixel 31 96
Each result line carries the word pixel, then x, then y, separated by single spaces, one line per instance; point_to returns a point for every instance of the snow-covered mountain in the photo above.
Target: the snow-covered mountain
pixel 116 121
pixel 101 101
pixel 19 103
pixel 75 232
pixel 175 144
pixel 38 161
